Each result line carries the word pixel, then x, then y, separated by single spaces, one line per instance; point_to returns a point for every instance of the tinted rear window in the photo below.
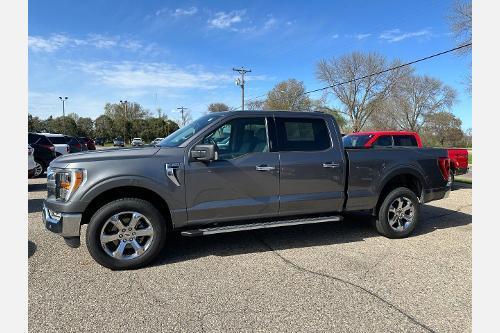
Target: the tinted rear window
pixel 383 141
pixel 405 141
pixel 38 139
pixel 58 139
pixel 355 140
pixel 302 134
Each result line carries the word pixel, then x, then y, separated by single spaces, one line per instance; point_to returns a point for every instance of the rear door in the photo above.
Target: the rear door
pixel 311 166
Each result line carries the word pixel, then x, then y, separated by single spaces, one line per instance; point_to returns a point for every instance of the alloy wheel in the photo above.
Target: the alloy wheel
pixel 126 235
pixel 401 214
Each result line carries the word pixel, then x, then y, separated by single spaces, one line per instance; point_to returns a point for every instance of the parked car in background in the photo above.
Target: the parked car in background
pixel 118 142
pixel 137 142
pixel 59 142
pixel 156 141
pixel 99 141
pixel 82 143
pixel 31 162
pixel 44 153
pixel 88 142
pixel 75 146
pixel 459 158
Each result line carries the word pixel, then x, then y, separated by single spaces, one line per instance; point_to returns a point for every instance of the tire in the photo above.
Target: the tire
pixel 103 224
pixel 39 169
pixel 399 202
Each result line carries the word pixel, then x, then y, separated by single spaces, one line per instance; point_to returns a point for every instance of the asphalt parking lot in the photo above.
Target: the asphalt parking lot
pixel 340 277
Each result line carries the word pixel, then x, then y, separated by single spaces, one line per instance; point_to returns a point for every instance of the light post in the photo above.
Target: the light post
pixel 64 116
pixel 124 104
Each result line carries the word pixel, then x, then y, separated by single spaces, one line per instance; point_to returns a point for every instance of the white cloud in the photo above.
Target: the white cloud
pixel 335 36
pixel 58 41
pixel 177 12
pixel 362 36
pixel 51 44
pixel 139 75
pixel 270 23
pixel 396 35
pixel 185 12
pixel 223 20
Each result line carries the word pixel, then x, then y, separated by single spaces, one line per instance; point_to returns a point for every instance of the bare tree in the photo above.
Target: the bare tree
pixel 288 96
pixel 218 107
pixel 414 97
pixel 256 105
pixel 358 97
pixel 461 24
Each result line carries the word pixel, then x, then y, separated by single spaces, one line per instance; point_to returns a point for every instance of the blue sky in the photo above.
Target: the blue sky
pixel 180 53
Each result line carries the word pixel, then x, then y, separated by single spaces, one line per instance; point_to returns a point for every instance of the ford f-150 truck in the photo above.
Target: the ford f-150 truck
pixel 235 171
pixel 459 157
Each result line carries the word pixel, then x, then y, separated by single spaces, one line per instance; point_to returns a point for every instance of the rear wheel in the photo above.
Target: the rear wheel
pixel 126 233
pixel 398 213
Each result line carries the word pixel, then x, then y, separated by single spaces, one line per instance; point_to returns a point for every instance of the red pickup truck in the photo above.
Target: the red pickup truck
pixel 459 158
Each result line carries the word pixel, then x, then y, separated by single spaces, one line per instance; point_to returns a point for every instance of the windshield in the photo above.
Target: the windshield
pixel 182 134
pixel 354 140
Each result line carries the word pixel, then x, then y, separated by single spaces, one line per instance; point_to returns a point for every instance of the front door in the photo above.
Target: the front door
pixel 242 183
pixel 311 166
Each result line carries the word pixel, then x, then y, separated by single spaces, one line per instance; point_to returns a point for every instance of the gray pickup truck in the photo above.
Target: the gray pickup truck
pixel 235 171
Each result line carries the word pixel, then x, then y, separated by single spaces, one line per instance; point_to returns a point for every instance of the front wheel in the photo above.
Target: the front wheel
pixel 126 234
pixel 39 169
pixel 398 213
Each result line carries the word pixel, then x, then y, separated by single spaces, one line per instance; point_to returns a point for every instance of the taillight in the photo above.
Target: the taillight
pixel 444 166
pixel 52 148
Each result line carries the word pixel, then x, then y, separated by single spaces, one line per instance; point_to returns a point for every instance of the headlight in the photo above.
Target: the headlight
pixel 62 183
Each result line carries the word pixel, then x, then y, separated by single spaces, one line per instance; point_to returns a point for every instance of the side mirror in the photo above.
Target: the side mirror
pixel 204 153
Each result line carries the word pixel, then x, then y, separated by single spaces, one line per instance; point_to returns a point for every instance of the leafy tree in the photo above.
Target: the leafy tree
pixel 123 116
pixel 63 125
pixel 104 128
pixel 358 97
pixel 34 124
pixel 218 107
pixel 288 96
pixel 442 129
pixel 85 126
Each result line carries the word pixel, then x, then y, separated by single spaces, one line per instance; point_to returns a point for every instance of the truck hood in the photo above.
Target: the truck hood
pixel 105 155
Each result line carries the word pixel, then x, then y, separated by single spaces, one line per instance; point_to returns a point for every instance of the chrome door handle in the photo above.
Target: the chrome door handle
pixel 264 168
pixel 330 165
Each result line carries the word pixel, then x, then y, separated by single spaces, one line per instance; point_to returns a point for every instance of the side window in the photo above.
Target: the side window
pixel 383 141
pixel 302 134
pixel 405 141
pixel 239 137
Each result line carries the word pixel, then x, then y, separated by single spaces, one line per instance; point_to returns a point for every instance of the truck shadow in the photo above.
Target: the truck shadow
pixel 354 228
pixel 37 187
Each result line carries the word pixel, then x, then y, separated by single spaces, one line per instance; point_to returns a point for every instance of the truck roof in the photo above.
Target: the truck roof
pixel 280 112
pixel 384 133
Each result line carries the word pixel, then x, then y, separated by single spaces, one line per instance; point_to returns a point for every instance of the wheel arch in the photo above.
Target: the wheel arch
pixel 127 191
pixel 408 178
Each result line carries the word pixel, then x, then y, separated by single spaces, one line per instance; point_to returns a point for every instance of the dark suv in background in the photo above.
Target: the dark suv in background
pixel 45 152
pixel 88 142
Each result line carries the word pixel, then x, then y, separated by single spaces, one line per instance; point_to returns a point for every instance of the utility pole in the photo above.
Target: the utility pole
pixel 124 104
pixel 64 116
pixel 182 115
pixel 241 83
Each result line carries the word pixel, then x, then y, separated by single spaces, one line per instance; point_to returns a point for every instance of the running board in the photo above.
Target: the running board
pixel 262 225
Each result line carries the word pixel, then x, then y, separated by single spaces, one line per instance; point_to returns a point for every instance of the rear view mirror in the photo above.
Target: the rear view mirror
pixel 204 153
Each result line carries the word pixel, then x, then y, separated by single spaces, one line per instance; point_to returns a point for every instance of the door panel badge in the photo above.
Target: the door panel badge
pixel 171 170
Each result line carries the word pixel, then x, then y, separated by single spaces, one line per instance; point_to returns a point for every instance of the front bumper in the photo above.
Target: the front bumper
pixel 66 225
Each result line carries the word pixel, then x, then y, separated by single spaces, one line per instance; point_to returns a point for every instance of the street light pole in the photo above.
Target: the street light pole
pixel 241 83
pixel 64 116
pixel 124 104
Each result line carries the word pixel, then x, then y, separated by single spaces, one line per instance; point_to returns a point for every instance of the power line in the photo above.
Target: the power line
pixel 389 69
pixel 380 72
